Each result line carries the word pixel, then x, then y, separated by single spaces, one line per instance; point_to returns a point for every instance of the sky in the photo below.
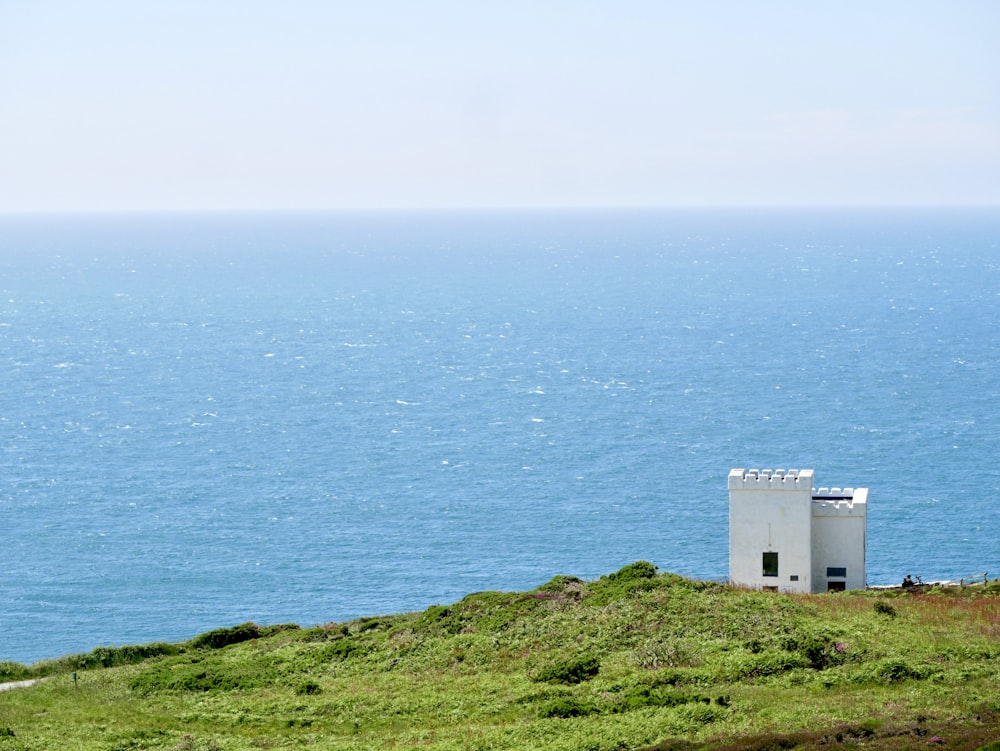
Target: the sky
pixel 243 105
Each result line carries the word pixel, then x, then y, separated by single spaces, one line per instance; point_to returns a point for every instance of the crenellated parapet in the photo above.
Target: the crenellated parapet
pixel 833 493
pixel 840 502
pixel 771 479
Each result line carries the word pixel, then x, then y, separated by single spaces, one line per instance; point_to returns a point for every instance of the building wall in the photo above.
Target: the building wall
pixel 771 511
pixel 838 537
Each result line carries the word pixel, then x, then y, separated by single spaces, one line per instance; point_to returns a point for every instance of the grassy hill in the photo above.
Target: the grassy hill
pixel 634 660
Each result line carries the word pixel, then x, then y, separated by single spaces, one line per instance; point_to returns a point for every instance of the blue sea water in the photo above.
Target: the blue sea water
pixel 208 419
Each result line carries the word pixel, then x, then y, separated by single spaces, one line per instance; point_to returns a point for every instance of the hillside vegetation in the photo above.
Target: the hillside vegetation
pixel 634 660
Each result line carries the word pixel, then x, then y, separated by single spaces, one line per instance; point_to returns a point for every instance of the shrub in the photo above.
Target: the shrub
pixel 819 650
pixel 13 671
pixel 894 671
pixel 768 662
pixel 577 670
pixel 433 614
pixel 313 634
pixel 636 577
pixel 637 570
pixel 341 649
pixel 104 657
pixel 196 675
pixel 309 688
pixel 564 708
pixel 223 637
pixel 266 631
pixel 560 584
pixel 491 611
pixel 439 617
pixel 370 624
pixel 884 608
pixel 109 657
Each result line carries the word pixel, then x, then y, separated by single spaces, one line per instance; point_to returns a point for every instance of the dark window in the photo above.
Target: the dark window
pixel 770 564
pixel 836 571
pixel 793 577
pixel 770 589
pixel 836 586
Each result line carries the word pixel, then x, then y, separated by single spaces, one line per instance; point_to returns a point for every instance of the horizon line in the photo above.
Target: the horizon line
pixel 494 209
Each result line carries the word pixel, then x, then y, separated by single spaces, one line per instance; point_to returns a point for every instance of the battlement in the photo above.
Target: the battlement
pixel 844 494
pixel 771 479
pixel 837 502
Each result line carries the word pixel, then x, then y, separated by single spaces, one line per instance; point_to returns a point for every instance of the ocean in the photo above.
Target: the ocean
pixel 207 419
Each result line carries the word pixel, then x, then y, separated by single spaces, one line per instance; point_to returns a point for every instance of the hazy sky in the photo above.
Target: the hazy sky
pixel 237 104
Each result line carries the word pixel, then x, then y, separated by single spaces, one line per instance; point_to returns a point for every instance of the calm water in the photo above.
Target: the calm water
pixel 212 419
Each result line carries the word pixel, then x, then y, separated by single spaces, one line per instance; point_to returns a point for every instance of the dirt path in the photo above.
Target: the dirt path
pixel 18 684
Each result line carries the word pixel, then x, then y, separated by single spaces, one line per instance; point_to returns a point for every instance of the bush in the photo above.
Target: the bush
pixel 561 584
pixel 197 675
pixel 636 577
pixel 564 708
pixel 439 617
pixel 309 688
pixel 223 637
pixel 637 570
pixel 491 611
pixel 14 671
pixel 884 608
pixel 109 657
pixel 341 649
pixel 893 671
pixel 577 670
pixel 769 662
pixel 103 657
pixel 433 614
pixel 266 631
pixel 819 650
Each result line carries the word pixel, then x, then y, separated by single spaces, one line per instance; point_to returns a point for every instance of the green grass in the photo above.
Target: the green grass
pixel 634 660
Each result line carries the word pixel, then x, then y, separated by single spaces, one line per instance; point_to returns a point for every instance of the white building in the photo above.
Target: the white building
pixel 787 536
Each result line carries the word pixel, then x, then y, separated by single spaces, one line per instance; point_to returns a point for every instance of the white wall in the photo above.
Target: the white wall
pixel 838 537
pixel 771 512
